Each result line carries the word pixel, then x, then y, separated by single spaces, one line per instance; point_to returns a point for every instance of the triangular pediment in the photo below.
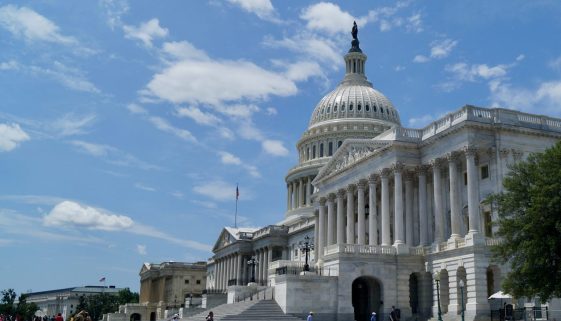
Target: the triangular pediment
pixel 351 153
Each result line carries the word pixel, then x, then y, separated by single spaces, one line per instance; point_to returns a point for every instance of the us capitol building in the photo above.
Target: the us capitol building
pixel 387 209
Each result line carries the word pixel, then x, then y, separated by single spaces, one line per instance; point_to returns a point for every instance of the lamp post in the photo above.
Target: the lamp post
pixel 306 246
pixel 462 296
pixel 437 279
pixel 252 262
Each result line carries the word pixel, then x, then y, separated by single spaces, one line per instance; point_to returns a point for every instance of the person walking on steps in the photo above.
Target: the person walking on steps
pixel 210 316
pixel 373 317
pixel 310 316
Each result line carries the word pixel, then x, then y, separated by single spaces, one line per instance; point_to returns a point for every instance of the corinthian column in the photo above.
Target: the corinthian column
pixel 321 233
pixel 473 191
pixel 301 193
pixel 409 209
pixel 330 219
pixel 340 217
pixel 289 201
pixel 398 204
pixel 386 238
pixel 423 218
pixel 309 191
pixel 361 214
pixel 350 214
pixel 454 197
pixel 372 215
pixel 438 213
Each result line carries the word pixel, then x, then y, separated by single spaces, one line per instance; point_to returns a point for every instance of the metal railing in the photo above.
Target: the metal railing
pixel 521 314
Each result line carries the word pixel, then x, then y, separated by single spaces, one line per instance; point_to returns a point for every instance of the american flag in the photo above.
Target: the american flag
pixel 237 193
pixel 102 279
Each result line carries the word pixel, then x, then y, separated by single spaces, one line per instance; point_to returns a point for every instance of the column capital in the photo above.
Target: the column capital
pixel 341 193
pixel 351 188
pixel 435 163
pixel 397 167
pixel 452 157
pixel 362 184
pixel 322 201
pixel 409 175
pixel 372 179
pixel 385 172
pixel 422 169
pixel 470 151
pixel 504 152
pixel 331 197
pixel 517 154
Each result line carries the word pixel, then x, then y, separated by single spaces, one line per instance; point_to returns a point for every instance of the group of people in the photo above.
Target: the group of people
pixel 394 315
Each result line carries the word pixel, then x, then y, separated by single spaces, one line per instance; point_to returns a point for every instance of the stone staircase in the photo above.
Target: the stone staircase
pixel 260 310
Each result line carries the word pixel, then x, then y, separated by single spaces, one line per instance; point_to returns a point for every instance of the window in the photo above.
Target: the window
pixel 343 107
pixel 321 150
pixel 314 152
pixel 484 171
pixel 330 149
pixel 465 178
pixel 381 110
pixel 335 108
pixel 488 224
pixel 367 107
pixel 374 108
pixel 339 144
pixel 328 110
pixel 359 107
pixel 186 281
pixel 308 153
pixel 351 107
pixel 295 252
pixel 198 281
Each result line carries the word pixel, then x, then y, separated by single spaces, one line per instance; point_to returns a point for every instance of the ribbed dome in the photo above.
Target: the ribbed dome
pixel 354 99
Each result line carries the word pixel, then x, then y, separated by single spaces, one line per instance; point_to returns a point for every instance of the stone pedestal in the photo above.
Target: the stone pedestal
pixel 475 238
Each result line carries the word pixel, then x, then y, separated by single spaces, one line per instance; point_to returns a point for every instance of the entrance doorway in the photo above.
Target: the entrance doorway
pixel 366 298
pixel 135 317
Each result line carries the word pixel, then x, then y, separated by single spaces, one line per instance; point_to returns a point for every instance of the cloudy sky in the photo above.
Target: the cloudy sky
pixel 126 125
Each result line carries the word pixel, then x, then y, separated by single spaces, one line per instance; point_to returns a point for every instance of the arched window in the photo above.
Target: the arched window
pixel 343 107
pixel 359 107
pixel 335 108
pixel 367 107
pixel 351 107
pixel 382 110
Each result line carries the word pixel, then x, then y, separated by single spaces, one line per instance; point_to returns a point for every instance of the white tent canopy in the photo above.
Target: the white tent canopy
pixel 500 295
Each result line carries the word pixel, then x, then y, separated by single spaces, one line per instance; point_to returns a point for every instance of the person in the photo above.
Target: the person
pixel 310 316
pixel 373 317
pixel 59 317
pixel 210 316
pixel 394 315
pixel 81 316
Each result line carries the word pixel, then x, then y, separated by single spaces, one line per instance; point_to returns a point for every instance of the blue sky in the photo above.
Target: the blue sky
pixel 125 125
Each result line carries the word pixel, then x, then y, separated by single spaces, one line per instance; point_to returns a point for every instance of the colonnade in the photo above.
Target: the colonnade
pixel 337 223
pixel 299 193
pixel 235 267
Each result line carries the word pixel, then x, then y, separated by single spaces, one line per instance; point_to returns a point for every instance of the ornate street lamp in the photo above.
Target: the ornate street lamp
pixel 437 279
pixel 306 246
pixel 252 262
pixel 462 293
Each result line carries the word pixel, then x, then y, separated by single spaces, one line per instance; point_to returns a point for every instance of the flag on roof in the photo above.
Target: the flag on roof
pixel 102 279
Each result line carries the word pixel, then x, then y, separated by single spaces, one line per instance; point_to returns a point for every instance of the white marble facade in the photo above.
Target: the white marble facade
pixel 387 207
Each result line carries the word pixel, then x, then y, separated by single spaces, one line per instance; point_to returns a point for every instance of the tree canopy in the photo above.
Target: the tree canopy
pixel 22 309
pixel 529 224
pixel 99 304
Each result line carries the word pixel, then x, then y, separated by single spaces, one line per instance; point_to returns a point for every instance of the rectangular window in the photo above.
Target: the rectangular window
pixel 484 171
pixel 330 148
pixel 186 281
pixel 198 281
pixel 465 178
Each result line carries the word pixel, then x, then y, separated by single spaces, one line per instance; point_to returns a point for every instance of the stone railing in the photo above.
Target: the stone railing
pixel 270 230
pixel 474 114
pixel 358 249
pixel 491 241
pixel 301 225
pixel 282 263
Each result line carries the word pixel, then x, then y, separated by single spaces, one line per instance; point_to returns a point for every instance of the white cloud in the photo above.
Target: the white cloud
pixel 421 59
pixel 216 82
pixel 420 121
pixel 9 65
pixel 70 124
pixel 198 116
pixel 11 136
pixel 26 23
pixel 114 9
pixel 229 159
pixel 69 77
pixel 217 190
pixel 183 50
pixel 141 249
pixel 69 213
pixel 136 109
pixel 311 46
pixel 465 72
pixel 262 8
pixel 238 111
pixel 545 98
pixel 165 126
pixel 144 187
pixel 303 70
pixel 415 23
pixel 555 63
pixel 274 147
pixel 146 32
pixel 271 111
pixel 177 194
pixel 328 17
pixel 112 155
pixel 441 49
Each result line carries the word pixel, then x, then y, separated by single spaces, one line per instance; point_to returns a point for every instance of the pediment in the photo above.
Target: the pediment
pixel 225 238
pixel 351 152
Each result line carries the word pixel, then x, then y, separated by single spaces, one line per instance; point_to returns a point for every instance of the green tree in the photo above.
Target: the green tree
pixel 24 309
pixel 7 303
pixel 530 226
pixel 127 296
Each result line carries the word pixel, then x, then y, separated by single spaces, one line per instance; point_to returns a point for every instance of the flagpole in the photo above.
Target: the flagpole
pixel 236 214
